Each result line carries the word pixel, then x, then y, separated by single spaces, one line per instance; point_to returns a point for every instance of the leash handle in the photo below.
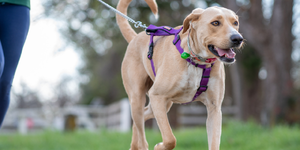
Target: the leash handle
pixel 137 24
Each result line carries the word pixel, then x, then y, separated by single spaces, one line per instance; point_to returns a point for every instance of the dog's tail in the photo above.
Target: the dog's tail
pixel 126 30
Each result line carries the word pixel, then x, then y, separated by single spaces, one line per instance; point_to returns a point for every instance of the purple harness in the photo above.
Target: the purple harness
pixel 153 30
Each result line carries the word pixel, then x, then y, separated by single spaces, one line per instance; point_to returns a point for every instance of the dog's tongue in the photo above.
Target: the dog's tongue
pixel 229 53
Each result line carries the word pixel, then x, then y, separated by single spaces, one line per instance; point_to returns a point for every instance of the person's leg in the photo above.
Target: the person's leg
pixel 1 60
pixel 14 25
pixel 3 105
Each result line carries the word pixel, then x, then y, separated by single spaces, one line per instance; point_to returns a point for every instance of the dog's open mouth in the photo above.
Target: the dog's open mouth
pixel 225 55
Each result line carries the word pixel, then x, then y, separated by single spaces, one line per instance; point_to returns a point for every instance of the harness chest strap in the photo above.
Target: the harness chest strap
pixel 153 30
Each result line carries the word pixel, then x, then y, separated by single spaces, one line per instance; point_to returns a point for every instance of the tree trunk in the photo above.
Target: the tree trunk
pixel 237 89
pixel 272 39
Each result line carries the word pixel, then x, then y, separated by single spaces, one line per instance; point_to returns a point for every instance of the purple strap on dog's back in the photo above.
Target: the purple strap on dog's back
pixel 153 30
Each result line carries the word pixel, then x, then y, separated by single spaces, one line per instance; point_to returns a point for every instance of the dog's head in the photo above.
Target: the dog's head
pixel 214 32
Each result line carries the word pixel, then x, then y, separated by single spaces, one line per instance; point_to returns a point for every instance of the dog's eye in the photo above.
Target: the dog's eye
pixel 236 23
pixel 215 23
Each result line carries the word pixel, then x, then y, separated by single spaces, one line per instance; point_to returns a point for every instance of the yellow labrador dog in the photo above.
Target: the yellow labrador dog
pixel 212 33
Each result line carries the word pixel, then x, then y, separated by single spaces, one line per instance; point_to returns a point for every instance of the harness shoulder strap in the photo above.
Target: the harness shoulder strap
pixel 161 31
pixel 153 30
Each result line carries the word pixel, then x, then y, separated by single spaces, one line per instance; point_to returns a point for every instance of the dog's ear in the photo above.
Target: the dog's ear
pixel 195 15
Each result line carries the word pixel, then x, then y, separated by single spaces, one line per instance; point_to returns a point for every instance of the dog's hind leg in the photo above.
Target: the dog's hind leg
pixel 137 102
pixel 148 113
pixel 137 99
pixel 136 89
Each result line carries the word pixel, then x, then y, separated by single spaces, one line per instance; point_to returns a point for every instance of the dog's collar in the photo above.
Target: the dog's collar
pixel 195 56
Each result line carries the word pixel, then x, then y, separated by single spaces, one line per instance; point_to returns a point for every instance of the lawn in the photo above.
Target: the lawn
pixel 235 136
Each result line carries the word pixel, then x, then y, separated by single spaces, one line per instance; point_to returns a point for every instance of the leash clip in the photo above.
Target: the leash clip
pixel 138 24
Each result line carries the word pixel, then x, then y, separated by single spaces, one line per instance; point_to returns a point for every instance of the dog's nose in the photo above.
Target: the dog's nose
pixel 236 39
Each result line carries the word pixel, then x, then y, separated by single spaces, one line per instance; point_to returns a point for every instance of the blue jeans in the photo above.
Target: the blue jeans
pixel 14 25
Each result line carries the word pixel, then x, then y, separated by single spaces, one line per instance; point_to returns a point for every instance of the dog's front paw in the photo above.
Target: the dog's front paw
pixel 162 146
pixel 159 146
pixel 145 149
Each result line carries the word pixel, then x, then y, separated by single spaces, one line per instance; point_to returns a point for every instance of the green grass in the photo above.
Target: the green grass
pixel 235 136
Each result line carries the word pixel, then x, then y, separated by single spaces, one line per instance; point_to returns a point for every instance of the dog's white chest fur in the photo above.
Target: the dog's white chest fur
pixel 189 84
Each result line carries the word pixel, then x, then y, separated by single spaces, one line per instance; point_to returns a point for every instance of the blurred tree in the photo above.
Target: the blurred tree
pixel 26 98
pixel 91 30
pixel 270 34
pixel 63 95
